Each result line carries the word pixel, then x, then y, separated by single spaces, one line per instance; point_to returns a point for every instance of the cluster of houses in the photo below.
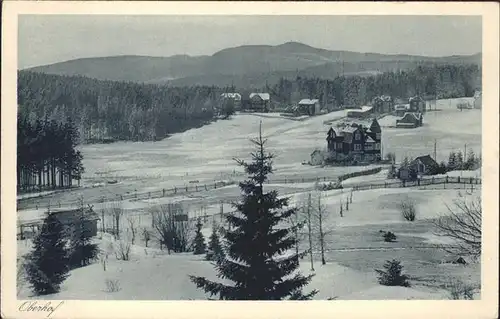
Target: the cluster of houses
pixel 257 102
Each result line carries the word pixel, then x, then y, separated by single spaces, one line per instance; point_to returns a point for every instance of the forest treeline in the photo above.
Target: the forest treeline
pixel 131 111
pixel 46 154
pixel 439 81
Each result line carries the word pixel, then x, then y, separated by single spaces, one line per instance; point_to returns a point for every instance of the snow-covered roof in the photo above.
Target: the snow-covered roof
pixel 369 140
pixel 308 101
pixel 264 96
pixel 398 107
pixel 236 96
pixel 366 108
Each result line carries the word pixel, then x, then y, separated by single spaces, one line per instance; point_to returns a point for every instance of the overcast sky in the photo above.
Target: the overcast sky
pixel 48 39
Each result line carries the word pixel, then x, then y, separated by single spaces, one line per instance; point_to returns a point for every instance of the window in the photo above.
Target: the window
pixel 379 136
pixel 339 146
pixel 357 147
pixel 377 146
pixel 368 157
pixel 357 136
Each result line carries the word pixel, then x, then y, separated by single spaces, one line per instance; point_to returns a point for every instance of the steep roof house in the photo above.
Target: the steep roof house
pixel 410 120
pixel 355 141
pixel 309 106
pixel 234 97
pixel 260 101
pixel 383 104
pixel 424 165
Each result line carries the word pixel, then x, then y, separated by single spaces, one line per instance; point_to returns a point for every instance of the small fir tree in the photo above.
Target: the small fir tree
pixel 452 161
pixel 392 275
pixel 47 266
pixel 199 240
pixel 214 246
pixel 258 238
pixel 459 160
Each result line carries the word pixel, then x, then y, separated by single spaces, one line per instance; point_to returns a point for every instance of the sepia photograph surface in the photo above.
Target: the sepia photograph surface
pixel 168 155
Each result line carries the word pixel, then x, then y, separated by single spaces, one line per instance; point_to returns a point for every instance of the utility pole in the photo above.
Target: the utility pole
pixel 435 147
pixel 465 153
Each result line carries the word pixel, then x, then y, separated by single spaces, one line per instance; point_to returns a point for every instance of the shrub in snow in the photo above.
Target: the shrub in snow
pixel 389 237
pixel 112 285
pixel 329 186
pixel 256 241
pixel 199 240
pixel 122 251
pixel 408 210
pixel 458 290
pixel 392 274
pixel 47 266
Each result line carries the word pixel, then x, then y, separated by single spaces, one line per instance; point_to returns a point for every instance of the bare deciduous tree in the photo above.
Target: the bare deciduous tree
pixel 463 224
pixel 321 225
pixel 171 229
pixel 146 236
pixel 116 212
pixel 132 226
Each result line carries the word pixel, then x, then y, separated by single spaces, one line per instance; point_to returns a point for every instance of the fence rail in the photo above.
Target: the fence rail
pixel 207 187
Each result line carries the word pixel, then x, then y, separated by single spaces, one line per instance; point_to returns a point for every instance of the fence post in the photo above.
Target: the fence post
pixel 163 190
pixel 458 179
pixel 186 189
pixel 302 180
pixel 121 197
pixel 215 185
pixel 149 194
pixel 206 187
pixel 324 179
pixel 196 187
pixel 446 179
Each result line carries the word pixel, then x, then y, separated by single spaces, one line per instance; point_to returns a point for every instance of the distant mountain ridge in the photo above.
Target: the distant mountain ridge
pixel 246 65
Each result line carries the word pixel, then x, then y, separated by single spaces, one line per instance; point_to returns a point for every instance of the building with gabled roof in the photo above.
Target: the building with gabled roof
pixel 355 143
pixel 410 120
pixel 309 106
pixel 260 102
pixel 424 165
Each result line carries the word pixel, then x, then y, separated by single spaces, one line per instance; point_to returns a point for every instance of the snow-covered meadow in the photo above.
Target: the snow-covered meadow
pixel 206 154
pixel 354 249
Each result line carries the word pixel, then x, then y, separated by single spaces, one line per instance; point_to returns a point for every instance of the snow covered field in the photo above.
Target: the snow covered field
pixel 206 154
pixel 348 274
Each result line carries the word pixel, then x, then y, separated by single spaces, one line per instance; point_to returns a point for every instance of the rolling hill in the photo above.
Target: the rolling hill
pixel 249 65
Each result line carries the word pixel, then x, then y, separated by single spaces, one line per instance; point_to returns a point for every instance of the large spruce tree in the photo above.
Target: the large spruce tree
pixel 47 265
pixel 257 242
